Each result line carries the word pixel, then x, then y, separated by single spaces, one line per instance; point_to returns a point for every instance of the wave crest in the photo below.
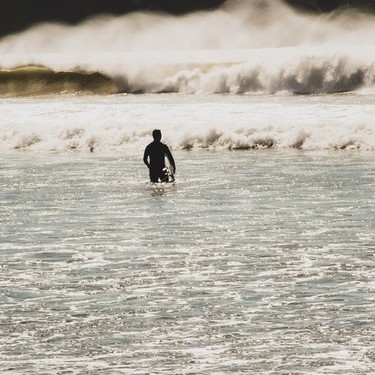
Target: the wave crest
pixel 310 76
pixel 243 47
pixel 39 80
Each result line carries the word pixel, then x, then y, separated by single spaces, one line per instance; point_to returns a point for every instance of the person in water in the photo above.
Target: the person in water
pixel 154 156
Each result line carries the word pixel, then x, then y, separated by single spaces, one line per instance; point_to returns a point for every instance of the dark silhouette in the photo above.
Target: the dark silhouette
pixel 154 158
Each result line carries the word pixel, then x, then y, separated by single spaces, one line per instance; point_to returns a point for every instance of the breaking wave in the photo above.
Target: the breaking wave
pixel 38 80
pixel 124 123
pixel 305 75
pixel 261 46
pixel 111 140
pixel 301 76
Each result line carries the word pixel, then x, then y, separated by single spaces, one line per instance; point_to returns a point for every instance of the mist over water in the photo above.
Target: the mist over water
pixel 237 25
pixel 243 47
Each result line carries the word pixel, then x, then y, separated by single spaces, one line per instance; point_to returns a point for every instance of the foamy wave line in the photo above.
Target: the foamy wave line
pixel 308 77
pixel 38 80
pixel 81 139
pixel 292 70
pixel 317 75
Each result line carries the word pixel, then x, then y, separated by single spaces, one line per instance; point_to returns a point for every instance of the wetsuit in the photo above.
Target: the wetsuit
pixel 153 157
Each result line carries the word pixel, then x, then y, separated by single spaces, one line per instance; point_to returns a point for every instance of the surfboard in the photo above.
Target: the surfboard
pixel 170 171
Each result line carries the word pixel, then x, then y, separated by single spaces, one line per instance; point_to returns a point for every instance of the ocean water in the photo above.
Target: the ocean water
pixel 259 260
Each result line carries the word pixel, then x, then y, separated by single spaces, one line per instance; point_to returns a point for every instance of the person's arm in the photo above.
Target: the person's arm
pixel 145 157
pixel 170 158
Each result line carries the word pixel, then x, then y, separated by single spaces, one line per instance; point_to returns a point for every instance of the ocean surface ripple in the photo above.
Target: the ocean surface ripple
pixel 252 263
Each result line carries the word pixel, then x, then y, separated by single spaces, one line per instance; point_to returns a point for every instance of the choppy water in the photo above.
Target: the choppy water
pixel 255 262
pixel 259 261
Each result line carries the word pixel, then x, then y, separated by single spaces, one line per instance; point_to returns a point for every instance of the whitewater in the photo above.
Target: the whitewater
pixel 259 260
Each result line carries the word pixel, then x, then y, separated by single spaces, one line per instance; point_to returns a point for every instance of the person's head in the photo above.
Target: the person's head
pixel 157 135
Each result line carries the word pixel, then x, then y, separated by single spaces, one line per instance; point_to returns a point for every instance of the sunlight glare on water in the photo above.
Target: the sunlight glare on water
pixel 255 262
pixel 260 260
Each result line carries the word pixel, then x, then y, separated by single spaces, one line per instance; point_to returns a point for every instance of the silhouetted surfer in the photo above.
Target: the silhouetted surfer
pixel 154 158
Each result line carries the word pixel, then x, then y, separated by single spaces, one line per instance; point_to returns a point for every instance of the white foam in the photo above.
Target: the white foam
pixel 220 123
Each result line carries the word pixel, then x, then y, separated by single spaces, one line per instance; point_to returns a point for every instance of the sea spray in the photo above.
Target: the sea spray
pixel 243 47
